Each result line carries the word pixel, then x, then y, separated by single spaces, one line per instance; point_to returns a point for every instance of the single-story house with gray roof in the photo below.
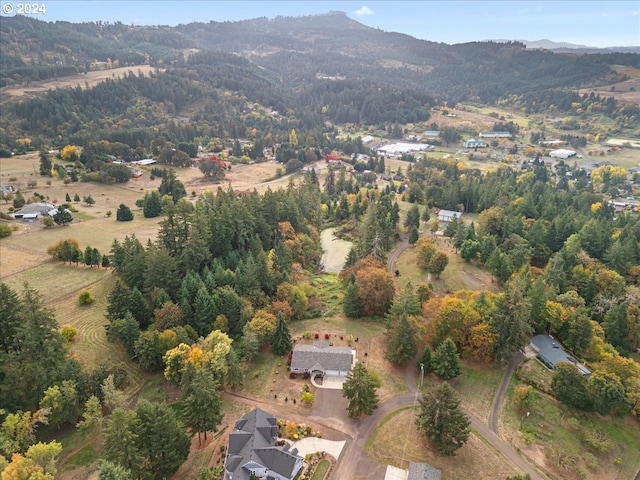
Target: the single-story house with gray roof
pixel 252 451
pixel 322 359
pixel 37 209
pixel 551 353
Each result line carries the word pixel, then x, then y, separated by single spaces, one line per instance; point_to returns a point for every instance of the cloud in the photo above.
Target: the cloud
pixel 362 11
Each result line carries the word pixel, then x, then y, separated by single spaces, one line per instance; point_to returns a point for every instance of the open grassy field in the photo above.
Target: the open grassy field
pixel 457 276
pixel 475 459
pixel 476 386
pixel 557 439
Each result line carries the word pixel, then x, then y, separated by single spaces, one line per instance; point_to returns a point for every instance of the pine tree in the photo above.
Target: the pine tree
pixel 425 360
pixel 45 164
pixel 442 420
pixel 446 361
pixel 203 404
pixel 413 235
pixel 360 389
pixel 401 346
pixel 351 304
pixel 152 205
pixel 281 338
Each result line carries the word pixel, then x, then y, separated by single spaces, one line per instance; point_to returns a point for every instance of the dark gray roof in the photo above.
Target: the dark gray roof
pixel 252 443
pixel 423 471
pixel 320 356
pixel 551 352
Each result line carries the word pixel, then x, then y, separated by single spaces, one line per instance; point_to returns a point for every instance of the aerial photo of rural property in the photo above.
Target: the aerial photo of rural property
pixel 319 240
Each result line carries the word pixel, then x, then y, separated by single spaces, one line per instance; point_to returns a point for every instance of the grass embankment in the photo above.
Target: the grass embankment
pixel 570 443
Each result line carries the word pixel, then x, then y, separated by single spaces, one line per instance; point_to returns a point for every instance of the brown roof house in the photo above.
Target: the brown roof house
pixel 253 453
pixel 322 359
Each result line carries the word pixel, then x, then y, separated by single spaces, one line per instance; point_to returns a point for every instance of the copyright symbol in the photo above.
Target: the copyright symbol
pixel 7 9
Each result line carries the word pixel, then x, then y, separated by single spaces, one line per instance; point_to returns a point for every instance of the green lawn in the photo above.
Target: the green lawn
pixel 321 470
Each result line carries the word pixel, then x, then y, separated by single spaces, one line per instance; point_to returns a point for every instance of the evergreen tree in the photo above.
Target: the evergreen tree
pixel 407 303
pixel 446 361
pixel 401 343
pixel 424 360
pixel 510 319
pixel 360 389
pixel 413 235
pixel 124 214
pixel 615 327
pixel 152 205
pixel 162 439
pixel 203 404
pixel 442 420
pixel 62 216
pixel 45 164
pixel 281 342
pixel 351 304
pixel 413 217
pixel 121 441
pixel 111 471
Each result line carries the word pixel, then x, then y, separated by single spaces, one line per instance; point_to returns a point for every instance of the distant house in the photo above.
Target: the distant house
pixel 562 153
pixel 448 215
pixel 34 210
pixel 323 359
pixel 423 471
pixel 144 162
pixel 500 134
pixel 6 189
pixel 368 139
pixel 551 353
pixel 473 143
pixel 431 133
pixel 252 451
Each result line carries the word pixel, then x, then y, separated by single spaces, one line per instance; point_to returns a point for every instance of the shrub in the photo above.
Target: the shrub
pixel 85 298
pixel 69 333
pixel 326 336
pixel 5 230
pixel 591 461
pixel 316 335
pixel 293 375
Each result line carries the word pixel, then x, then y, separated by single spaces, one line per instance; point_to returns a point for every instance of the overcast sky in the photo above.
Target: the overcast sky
pixel 591 23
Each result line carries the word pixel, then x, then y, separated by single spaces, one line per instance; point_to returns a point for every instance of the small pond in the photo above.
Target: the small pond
pixel 334 250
